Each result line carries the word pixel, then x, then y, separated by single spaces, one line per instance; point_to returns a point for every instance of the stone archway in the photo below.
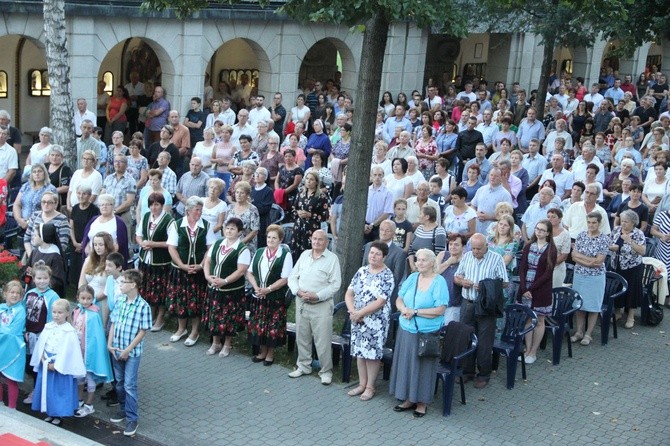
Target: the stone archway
pixel 325 58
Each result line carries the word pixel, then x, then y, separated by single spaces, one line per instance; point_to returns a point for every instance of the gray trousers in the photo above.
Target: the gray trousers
pixel 485 329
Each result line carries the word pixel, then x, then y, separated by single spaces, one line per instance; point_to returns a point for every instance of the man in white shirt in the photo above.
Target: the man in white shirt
pixel 594 96
pixel 487 128
pixel 228 117
pixel 560 132
pixel 587 157
pixel 81 114
pixel 433 101
pixel 243 127
pixel 259 112
pixel 467 93
pixel 9 159
pixel 563 178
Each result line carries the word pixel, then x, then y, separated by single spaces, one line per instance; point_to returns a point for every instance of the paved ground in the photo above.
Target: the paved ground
pixel 617 394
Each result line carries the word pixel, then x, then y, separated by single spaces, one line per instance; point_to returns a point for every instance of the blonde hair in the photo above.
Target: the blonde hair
pixel 63 304
pixel 9 285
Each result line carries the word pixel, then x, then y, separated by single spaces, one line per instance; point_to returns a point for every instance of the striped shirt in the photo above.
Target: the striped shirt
pixel 491 266
pixel 128 319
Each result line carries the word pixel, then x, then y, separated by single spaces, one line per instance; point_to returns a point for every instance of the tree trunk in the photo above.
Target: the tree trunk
pixel 547 57
pixel 61 108
pixel 350 241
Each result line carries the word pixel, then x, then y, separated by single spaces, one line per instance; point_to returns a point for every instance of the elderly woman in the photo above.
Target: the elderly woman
pixel 426 151
pixel 310 209
pixel 247 212
pixel 86 176
pixel 655 186
pixel 259 143
pixel 287 181
pixel 591 248
pixel 59 174
pixel 215 209
pixel 427 235
pixel 561 238
pixel 263 198
pixel 340 154
pixel 153 186
pixel 107 222
pixel 247 174
pixel 271 159
pixel 367 300
pixel 48 214
pixel 225 265
pixel 81 214
pixel 629 245
pixel 138 165
pixel 268 276
pixel 612 185
pixel 536 270
pixel 154 263
pixel 39 152
pixel 421 301
pixel 293 142
pixel 28 199
pixel 187 242
pixel 413 171
pixel 116 148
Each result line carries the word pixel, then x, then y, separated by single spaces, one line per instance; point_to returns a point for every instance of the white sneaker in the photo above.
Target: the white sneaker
pixel 29 399
pixel 297 373
pixel 326 379
pixel 84 411
pixel 530 359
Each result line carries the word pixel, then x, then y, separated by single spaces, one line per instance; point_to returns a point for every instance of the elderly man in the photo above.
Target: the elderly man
pixel 123 187
pixel 562 177
pixel 560 132
pixel 9 159
pixel 403 149
pixel 157 115
pixel 529 128
pixel 475 266
pixel 380 204
pixel 169 181
pixel 81 114
pixel 87 142
pixel 191 184
pixel 535 164
pixel 243 127
pixel 299 132
pixel 340 120
pixel 536 212
pixel 396 259
pixel 394 121
pixel 646 112
pixel 314 280
pixel 587 157
pixel 417 202
pixel 575 217
pixel 486 198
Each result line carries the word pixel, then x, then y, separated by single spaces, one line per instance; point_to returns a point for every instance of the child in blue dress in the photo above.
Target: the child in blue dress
pixel 12 344
pixel 38 303
pixel 88 324
pixel 58 362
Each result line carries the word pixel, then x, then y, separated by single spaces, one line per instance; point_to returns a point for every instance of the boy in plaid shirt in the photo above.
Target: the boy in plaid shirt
pixel 130 321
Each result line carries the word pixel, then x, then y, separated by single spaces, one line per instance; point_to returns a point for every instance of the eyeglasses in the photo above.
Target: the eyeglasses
pixel 47 202
pixel 540 230
pixel 88 159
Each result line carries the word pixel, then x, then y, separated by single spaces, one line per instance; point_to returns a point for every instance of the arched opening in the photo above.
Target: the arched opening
pixel 325 59
pixel 24 87
pixel 655 58
pixel 135 64
pixel 611 62
pixel 441 60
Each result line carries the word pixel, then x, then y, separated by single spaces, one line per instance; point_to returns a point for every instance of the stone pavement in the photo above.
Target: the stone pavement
pixel 617 394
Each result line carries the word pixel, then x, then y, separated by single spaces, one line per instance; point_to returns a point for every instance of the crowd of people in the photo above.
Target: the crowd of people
pixel 466 185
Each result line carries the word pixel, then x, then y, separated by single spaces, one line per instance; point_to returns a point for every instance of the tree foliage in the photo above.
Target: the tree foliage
pixel 647 21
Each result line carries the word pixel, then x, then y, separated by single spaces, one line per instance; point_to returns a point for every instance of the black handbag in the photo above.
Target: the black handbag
pixel 429 345
pixel 655 315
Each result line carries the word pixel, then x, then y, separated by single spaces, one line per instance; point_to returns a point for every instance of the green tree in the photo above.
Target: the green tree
pixel 373 18
pixel 647 21
pixel 559 23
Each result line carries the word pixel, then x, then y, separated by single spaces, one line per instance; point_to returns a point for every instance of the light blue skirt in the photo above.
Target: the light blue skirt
pixel 592 290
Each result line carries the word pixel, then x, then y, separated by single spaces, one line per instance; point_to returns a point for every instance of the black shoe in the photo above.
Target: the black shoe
pixel 112 402
pixel 268 363
pixel 257 359
pixel 109 394
pixel 399 408
pixel 119 417
pixel 419 414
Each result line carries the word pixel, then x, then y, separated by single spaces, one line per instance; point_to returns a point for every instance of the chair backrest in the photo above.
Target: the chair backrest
pixel 394 324
pixel 565 301
pixel 516 318
pixel 288 232
pixel 651 247
pixel 276 214
pixel 615 285
pixel 346 322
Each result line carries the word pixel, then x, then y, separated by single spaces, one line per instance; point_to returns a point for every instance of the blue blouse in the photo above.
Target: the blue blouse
pixel 437 294
pixel 30 198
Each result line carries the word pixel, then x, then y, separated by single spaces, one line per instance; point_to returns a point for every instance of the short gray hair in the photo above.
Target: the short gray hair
pixel 193 202
pixel 106 198
pixel 631 216
pixel 46 131
pixel 56 148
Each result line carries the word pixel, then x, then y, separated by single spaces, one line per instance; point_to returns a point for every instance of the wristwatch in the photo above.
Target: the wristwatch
pixel 416 312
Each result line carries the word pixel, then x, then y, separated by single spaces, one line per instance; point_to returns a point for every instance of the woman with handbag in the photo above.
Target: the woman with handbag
pixel 628 246
pixel 421 301
pixel 367 300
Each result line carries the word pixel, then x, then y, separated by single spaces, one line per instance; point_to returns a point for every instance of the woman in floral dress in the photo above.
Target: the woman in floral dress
pixel 268 275
pixel 311 208
pixel 247 212
pixel 188 240
pixel 367 300
pixel 426 151
pixel 225 265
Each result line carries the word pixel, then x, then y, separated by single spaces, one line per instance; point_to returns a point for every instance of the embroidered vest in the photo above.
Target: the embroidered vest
pixel 222 266
pixel 159 256
pixel 274 274
pixel 192 252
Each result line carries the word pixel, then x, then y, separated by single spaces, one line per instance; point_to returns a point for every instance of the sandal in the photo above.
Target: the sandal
pixel 577 337
pixel 56 421
pixel 586 340
pixel 214 349
pixel 356 391
pixel 368 394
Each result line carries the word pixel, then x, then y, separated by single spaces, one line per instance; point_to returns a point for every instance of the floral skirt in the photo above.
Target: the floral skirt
pixel 223 312
pixel 155 281
pixel 267 324
pixel 186 293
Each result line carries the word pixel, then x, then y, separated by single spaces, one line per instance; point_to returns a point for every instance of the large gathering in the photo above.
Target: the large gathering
pixel 219 225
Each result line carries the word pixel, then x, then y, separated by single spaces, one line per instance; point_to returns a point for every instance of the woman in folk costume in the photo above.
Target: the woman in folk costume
pixel 58 362
pixel 87 322
pixel 12 344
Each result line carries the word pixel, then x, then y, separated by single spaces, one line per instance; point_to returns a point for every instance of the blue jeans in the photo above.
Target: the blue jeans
pixel 126 385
